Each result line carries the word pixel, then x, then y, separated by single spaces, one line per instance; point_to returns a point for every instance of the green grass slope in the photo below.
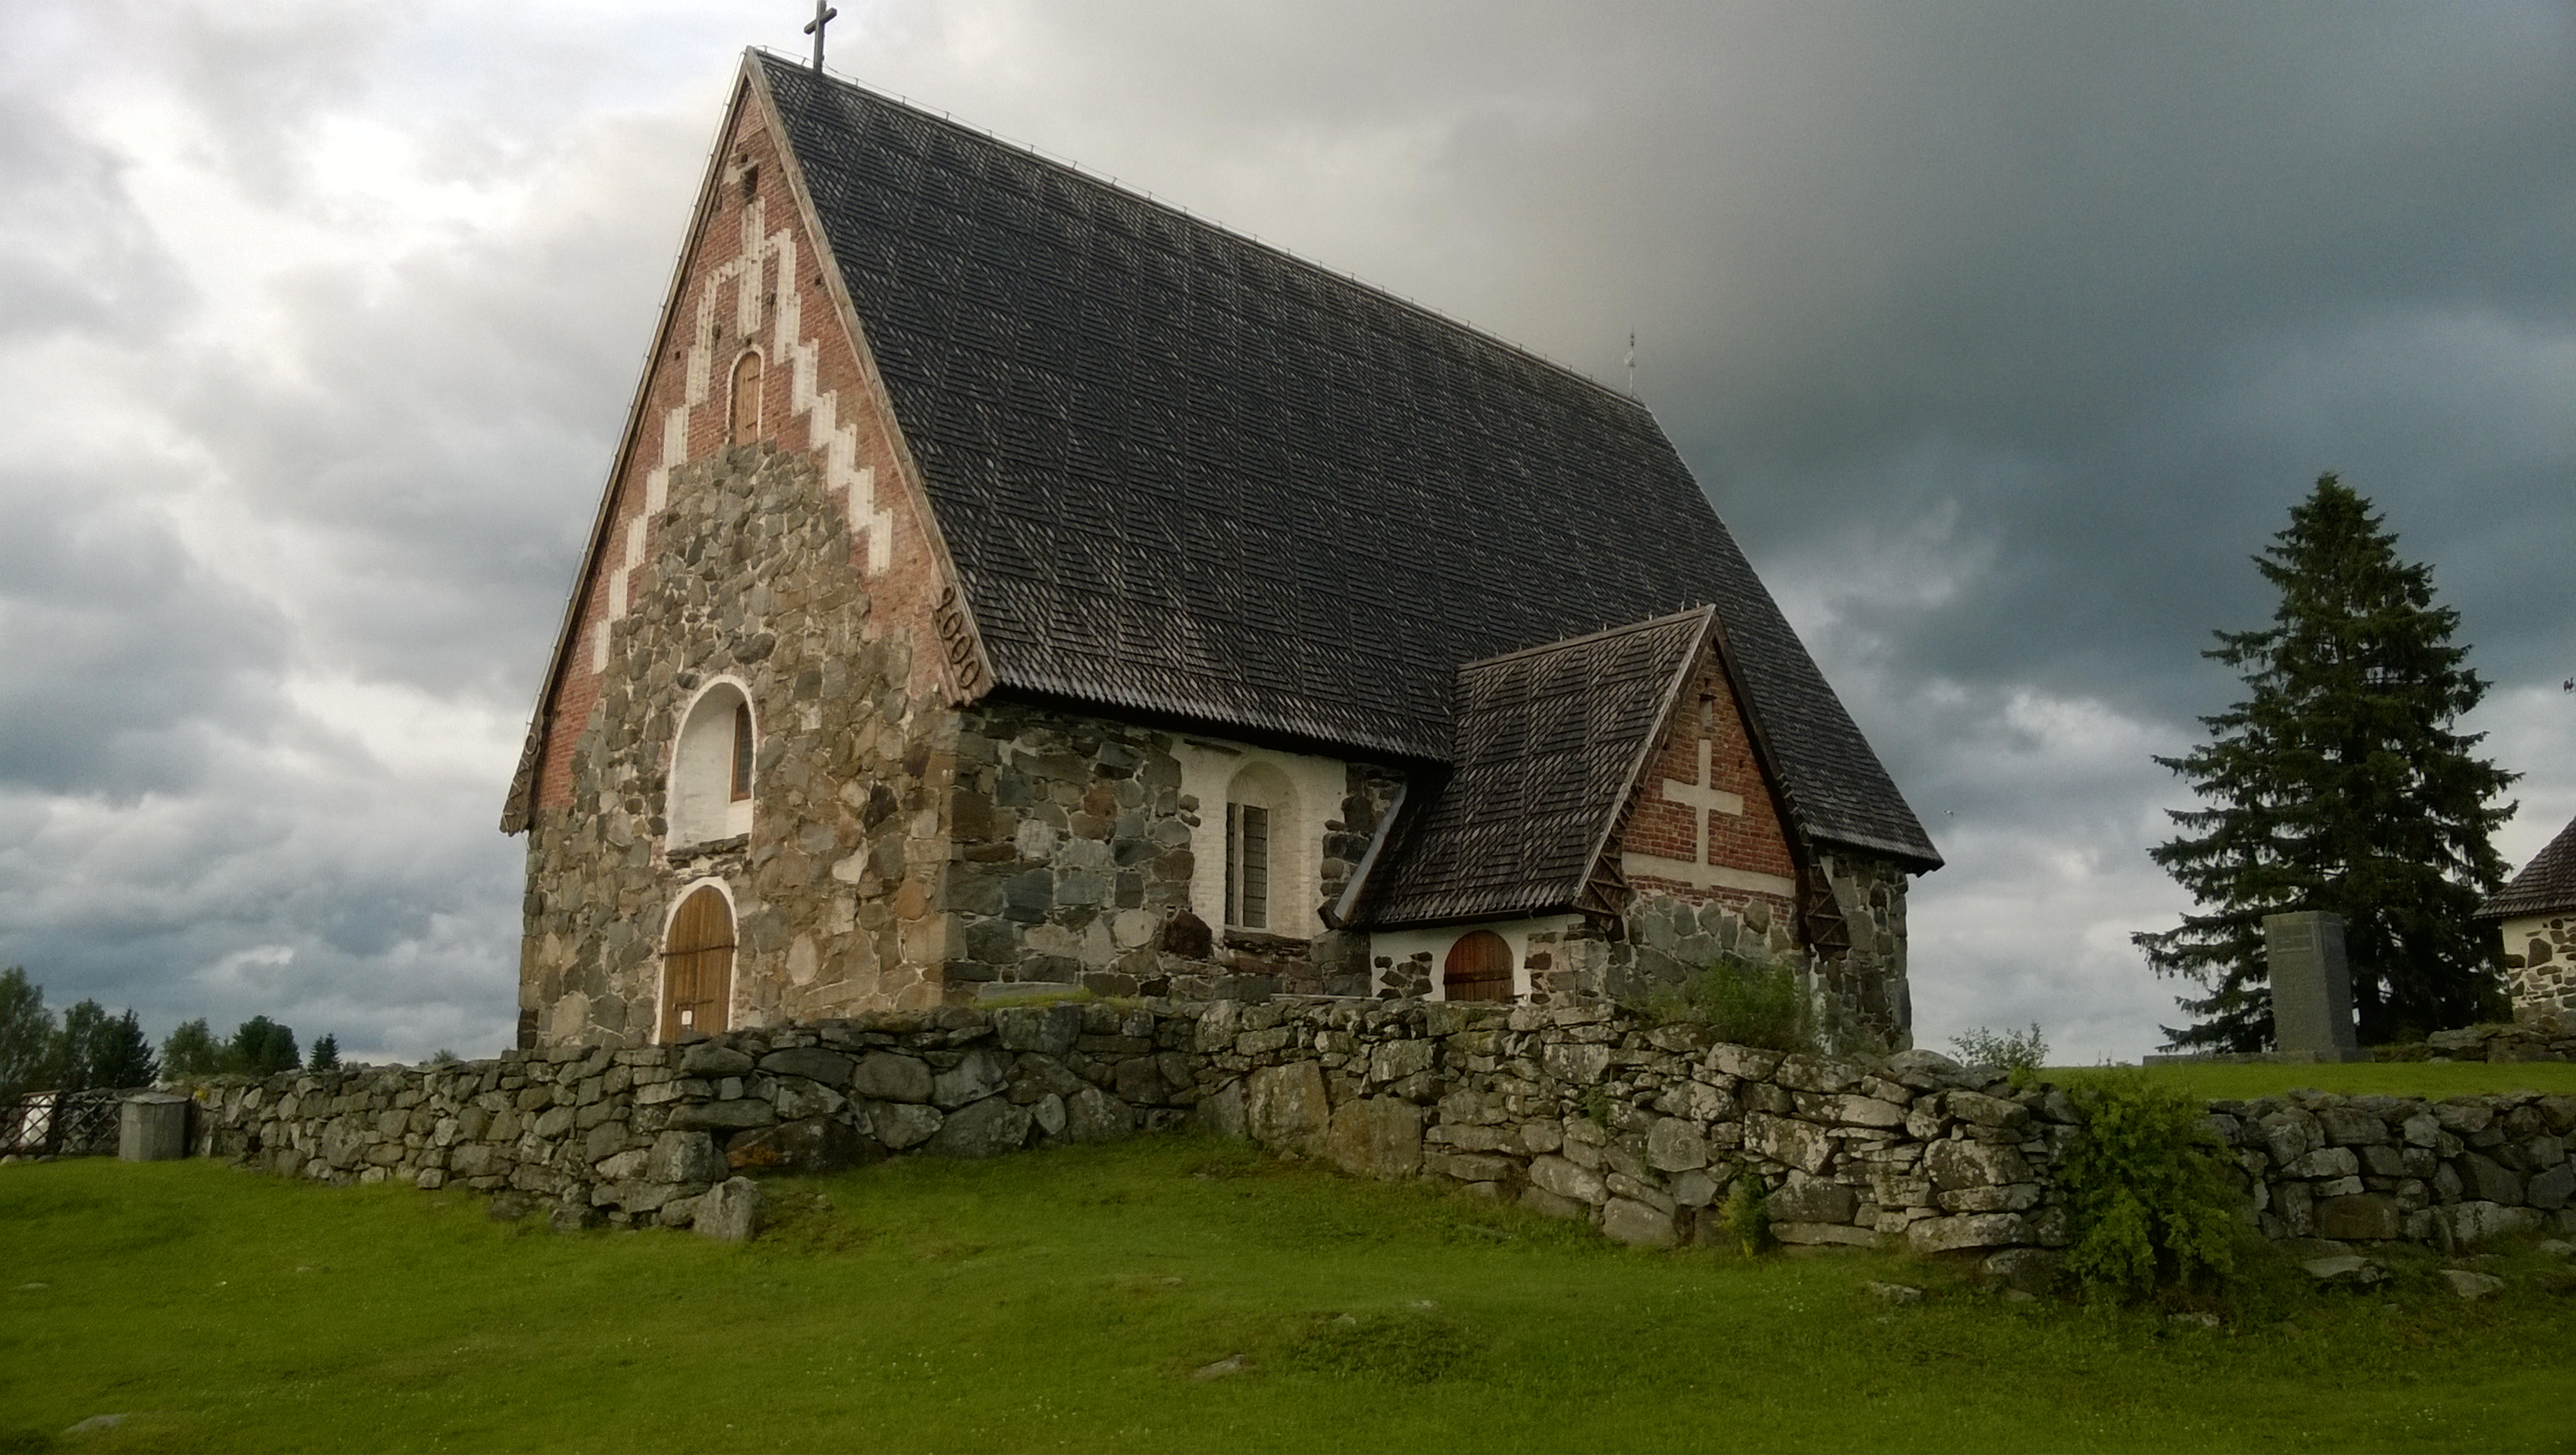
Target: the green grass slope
pixel 1063 1300
pixel 2432 1080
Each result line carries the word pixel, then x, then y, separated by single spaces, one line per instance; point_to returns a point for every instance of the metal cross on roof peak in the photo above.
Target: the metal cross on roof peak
pixel 824 14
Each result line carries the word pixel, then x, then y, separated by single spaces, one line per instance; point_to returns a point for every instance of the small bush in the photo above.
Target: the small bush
pixel 2019 1054
pixel 1747 1216
pixel 1747 1002
pixel 2150 1206
pixel 1598 1107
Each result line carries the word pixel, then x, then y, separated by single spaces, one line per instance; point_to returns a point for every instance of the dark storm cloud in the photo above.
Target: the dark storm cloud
pixel 121 659
pixel 285 555
pixel 2000 335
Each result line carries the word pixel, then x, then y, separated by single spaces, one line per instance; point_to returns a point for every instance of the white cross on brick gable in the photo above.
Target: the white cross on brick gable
pixel 1703 799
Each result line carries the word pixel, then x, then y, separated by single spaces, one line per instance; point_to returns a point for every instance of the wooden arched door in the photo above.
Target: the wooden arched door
pixel 697 965
pixel 1479 968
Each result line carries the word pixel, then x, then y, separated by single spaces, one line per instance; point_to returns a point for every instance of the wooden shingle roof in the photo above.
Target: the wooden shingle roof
pixel 1181 472
pixel 1547 747
pixel 2546 885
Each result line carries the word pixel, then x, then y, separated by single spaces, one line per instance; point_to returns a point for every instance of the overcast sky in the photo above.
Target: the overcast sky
pixel 2000 334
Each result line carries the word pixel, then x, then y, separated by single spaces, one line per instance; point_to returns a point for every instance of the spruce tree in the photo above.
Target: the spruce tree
pixel 96 1051
pixel 261 1047
pixel 2339 785
pixel 26 1034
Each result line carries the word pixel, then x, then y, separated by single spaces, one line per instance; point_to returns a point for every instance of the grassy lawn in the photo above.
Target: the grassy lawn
pixel 2429 1079
pixel 1062 1300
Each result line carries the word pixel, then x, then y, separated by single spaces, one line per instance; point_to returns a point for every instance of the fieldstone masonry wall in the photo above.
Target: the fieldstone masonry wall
pixel 1072 858
pixel 2540 966
pixel 835 889
pixel 1577 1111
pixel 1668 939
pixel 636 1136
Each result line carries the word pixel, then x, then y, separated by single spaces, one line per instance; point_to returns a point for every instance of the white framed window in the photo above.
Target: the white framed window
pixel 712 763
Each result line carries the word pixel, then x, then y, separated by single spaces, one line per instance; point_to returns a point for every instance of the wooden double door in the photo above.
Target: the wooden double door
pixel 1479 967
pixel 697 966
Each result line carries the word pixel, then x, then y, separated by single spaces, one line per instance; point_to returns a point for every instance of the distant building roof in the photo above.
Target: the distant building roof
pixel 2546 885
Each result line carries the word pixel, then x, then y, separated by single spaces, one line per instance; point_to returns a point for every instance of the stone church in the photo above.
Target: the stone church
pixel 1007 581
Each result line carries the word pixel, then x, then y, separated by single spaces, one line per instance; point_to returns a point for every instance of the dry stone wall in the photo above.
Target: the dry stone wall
pixel 2381 1168
pixel 1578 1111
pixel 637 1136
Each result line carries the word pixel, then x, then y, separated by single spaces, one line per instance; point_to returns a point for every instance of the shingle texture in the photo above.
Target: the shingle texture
pixel 2546 885
pixel 1182 472
pixel 1544 752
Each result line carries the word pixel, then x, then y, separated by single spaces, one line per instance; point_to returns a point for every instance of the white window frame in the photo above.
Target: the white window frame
pixel 698 802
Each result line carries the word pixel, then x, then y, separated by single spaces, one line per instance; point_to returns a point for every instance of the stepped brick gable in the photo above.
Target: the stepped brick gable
pixel 1006 582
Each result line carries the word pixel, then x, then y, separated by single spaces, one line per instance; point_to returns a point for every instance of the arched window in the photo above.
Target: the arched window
pixel 697 965
pixel 1479 968
pixel 711 769
pixel 745 409
pixel 1260 840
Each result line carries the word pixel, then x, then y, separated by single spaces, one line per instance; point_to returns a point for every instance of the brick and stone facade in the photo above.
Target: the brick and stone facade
pixel 798 567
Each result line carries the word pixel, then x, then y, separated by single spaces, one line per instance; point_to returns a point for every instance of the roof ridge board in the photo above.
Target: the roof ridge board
pixel 1648 624
pixel 1173 209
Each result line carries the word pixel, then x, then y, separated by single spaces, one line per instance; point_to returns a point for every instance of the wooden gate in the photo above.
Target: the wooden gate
pixel 697 966
pixel 1479 968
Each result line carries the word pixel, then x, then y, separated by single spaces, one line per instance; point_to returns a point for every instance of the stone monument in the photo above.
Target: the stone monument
pixel 2311 987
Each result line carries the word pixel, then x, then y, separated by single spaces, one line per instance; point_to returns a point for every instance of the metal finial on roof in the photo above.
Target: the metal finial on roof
pixel 824 14
pixel 1632 361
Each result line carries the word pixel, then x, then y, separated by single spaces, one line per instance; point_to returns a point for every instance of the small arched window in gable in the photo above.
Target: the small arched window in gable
pixel 1479 967
pixel 745 409
pixel 711 769
pixel 1260 834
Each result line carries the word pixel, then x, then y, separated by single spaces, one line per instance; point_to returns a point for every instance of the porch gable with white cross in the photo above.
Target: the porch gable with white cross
pixel 1704 798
